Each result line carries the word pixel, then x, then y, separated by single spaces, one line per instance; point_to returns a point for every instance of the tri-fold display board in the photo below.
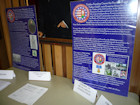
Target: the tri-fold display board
pixel 24 39
pixel 103 39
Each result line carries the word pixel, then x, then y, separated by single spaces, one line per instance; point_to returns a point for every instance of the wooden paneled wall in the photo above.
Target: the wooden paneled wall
pixel 135 71
pixel 5 28
pixel 4 64
pixel 57 56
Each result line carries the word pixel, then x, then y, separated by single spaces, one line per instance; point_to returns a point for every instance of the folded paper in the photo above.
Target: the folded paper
pixel 7 74
pixel 103 101
pixel 39 75
pixel 85 91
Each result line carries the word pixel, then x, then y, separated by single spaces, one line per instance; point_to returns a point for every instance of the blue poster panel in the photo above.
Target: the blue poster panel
pixel 103 33
pixel 24 39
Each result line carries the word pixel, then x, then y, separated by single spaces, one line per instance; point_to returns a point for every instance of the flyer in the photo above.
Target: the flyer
pixel 103 33
pixel 23 36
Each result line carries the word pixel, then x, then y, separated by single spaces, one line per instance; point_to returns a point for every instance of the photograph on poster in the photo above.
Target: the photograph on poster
pixel 16 58
pixel 103 67
pixel 113 69
pixel 31 26
pixel 98 65
pixel 33 42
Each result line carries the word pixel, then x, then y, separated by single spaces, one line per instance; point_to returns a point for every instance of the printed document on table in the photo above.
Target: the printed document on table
pixel 28 94
pixel 3 84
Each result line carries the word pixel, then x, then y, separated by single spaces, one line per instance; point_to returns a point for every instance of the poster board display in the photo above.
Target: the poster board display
pixel 24 39
pixel 103 34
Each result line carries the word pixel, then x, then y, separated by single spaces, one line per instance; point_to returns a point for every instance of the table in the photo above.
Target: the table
pixel 60 92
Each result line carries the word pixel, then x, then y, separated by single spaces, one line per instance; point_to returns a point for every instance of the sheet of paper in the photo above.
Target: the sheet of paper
pixel 7 74
pixel 103 101
pixel 28 94
pixel 3 84
pixel 85 91
pixel 39 75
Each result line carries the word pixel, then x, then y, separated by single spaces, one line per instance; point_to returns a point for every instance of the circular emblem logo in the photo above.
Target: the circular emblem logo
pixel 99 59
pixel 10 16
pixel 81 13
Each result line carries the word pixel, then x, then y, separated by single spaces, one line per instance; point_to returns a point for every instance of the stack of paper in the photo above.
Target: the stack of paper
pixel 28 94
pixel 4 84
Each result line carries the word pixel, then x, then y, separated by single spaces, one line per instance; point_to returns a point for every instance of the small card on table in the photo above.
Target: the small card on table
pixel 85 91
pixel 40 75
pixel 103 101
pixel 7 74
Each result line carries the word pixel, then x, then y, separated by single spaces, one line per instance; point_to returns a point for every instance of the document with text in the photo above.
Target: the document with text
pixel 28 94
pixel 4 84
